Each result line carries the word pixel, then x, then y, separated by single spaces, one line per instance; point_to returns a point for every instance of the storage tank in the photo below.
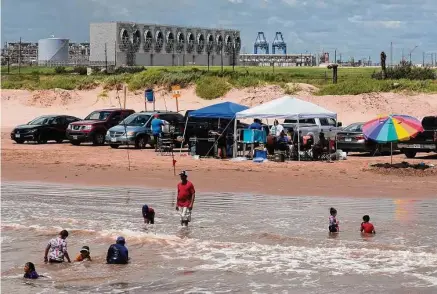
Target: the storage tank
pixel 53 50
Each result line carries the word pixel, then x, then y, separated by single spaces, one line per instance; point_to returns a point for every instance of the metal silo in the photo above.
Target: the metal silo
pixel 53 50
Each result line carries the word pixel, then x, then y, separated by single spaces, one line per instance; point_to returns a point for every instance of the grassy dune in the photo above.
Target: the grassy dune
pixel 215 82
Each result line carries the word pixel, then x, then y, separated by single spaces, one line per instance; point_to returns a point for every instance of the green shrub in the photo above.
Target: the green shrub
pixel 60 70
pixel 407 71
pixel 81 70
pixel 212 87
pixel 129 69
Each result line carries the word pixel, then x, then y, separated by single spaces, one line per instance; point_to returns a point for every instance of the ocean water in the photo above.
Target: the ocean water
pixel 236 243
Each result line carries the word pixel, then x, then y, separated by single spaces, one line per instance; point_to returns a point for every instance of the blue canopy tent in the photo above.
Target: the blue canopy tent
pixel 224 110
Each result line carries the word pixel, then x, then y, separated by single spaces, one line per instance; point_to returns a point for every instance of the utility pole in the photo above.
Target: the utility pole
pixel 335 56
pixel 423 59
pixel 19 57
pixel 106 59
pixel 221 53
pixel 115 54
pixel 340 58
pixel 391 54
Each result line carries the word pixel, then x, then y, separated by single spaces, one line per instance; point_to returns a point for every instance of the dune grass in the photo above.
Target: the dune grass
pixel 215 82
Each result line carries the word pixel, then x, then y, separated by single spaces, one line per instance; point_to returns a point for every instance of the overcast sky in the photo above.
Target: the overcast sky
pixel 358 28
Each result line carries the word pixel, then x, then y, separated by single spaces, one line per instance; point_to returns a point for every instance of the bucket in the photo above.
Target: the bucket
pixel 149 95
pixel 280 157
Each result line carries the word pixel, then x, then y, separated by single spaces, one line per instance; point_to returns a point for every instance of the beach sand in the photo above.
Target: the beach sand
pixel 87 165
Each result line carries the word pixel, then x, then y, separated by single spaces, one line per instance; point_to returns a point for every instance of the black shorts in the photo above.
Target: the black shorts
pixel 150 217
pixel 333 229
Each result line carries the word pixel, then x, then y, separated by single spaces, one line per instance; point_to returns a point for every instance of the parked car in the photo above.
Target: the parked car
pixel 351 139
pixel 42 129
pixel 423 142
pixel 313 126
pixel 94 127
pixel 136 129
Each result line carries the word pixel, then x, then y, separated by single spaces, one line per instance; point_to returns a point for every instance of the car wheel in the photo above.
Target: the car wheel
pixel 140 142
pixel 99 139
pixel 19 141
pixel 40 139
pixel 115 146
pixel 75 143
pixel 410 154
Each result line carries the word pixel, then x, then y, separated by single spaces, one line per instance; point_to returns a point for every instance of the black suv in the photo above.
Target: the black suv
pixel 44 128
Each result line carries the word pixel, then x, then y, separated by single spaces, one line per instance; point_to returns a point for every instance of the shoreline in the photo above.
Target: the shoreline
pixel 103 166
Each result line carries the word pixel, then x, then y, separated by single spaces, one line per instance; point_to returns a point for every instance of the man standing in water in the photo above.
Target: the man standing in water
pixel 58 249
pixel 185 199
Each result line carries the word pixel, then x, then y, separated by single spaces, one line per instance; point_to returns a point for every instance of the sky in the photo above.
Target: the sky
pixel 354 28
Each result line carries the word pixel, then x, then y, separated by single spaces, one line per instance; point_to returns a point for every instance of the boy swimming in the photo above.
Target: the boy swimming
pixel 333 222
pixel 84 254
pixel 366 226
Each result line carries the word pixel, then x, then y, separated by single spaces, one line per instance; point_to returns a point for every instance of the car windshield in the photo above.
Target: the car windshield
pixel 98 115
pixel 136 120
pixel 42 120
pixel 354 128
pixel 301 121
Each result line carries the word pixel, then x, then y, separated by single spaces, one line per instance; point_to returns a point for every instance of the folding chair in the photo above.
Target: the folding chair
pixel 165 146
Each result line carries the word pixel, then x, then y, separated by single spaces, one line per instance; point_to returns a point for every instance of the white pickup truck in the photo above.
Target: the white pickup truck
pixel 314 126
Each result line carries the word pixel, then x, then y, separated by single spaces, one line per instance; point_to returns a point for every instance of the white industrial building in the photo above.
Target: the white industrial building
pixel 152 45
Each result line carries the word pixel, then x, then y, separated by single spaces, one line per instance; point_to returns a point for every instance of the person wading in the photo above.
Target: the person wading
pixel 57 248
pixel 185 198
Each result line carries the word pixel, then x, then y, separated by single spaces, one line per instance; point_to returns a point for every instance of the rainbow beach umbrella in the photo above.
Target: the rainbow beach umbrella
pixel 392 128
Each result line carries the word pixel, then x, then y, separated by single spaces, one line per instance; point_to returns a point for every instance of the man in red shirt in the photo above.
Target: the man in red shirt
pixel 366 226
pixel 185 198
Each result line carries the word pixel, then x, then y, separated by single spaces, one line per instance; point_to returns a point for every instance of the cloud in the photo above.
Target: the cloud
pixel 357 28
pixel 389 24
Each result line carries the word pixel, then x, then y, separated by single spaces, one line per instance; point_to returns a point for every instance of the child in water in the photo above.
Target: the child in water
pixel 366 226
pixel 333 222
pixel 148 214
pixel 84 254
pixel 29 271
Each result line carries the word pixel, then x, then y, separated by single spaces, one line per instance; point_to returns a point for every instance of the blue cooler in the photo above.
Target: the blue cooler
pixel 260 154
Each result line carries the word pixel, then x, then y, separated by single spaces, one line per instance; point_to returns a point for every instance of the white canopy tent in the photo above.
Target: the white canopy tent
pixel 284 107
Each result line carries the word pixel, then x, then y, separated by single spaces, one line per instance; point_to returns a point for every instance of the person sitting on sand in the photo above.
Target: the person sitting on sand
pixel 118 253
pixel 58 249
pixel 148 214
pixel 366 226
pixel 333 222
pixel 30 271
pixel 84 254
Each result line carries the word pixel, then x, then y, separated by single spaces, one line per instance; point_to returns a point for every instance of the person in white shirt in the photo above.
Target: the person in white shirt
pixel 276 129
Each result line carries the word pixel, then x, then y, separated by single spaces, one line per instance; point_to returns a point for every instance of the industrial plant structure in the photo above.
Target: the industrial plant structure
pixel 30 53
pixel 124 43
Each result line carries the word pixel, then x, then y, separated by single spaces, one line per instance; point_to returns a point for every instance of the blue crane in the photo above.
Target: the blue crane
pixel 261 45
pixel 279 46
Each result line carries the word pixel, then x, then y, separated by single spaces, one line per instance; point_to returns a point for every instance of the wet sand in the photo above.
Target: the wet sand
pixel 103 166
